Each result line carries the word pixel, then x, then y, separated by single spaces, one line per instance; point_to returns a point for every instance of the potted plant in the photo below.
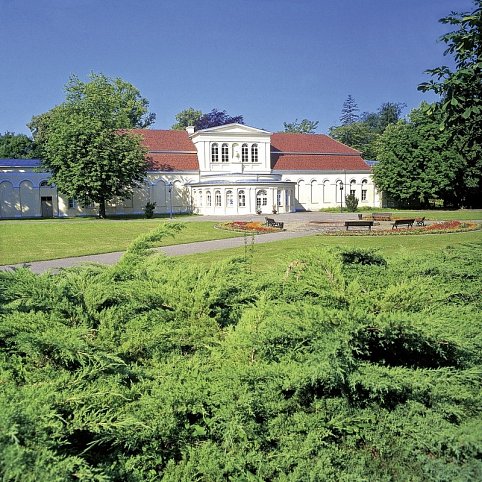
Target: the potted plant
pixel 258 211
pixel 274 211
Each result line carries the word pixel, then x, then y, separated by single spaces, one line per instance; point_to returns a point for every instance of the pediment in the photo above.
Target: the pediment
pixel 240 129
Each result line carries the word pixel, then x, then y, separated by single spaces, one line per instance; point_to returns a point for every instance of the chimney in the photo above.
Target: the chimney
pixel 190 130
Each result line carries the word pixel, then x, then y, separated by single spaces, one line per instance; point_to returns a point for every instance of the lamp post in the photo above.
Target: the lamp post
pixel 169 187
pixel 341 197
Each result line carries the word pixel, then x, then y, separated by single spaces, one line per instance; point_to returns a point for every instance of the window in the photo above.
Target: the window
pixel 279 198
pixel 244 153
pixel 254 153
pixel 364 190
pixel 229 198
pixel 217 198
pixel 200 197
pixel 242 198
pixel 224 153
pixel 208 199
pixel 261 199
pixel 352 187
pixel 214 153
pixel 72 203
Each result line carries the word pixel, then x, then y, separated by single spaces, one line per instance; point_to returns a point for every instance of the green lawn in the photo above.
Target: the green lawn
pixel 277 255
pixel 29 240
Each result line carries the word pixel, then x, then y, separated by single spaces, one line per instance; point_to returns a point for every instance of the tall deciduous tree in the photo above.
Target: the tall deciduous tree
pixel 460 107
pixel 187 117
pixel 304 127
pixel 85 142
pixel 349 111
pixel 217 118
pixel 416 163
pixel 16 146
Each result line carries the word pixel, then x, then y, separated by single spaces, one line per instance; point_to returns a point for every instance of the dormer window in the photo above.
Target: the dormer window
pixel 254 153
pixel 244 153
pixel 214 153
pixel 224 153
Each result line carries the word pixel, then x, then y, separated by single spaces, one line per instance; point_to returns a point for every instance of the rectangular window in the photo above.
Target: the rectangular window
pixel 352 192
pixel 241 199
pixel 363 195
pixel 217 199
pixel 72 203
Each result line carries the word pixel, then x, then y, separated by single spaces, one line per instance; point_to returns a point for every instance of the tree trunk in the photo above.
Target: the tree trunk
pixel 102 208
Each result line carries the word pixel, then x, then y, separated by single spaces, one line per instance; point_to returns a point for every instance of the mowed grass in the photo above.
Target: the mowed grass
pixel 278 255
pixel 29 240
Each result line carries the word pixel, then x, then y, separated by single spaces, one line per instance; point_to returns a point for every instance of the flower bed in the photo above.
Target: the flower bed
pixel 436 228
pixel 248 227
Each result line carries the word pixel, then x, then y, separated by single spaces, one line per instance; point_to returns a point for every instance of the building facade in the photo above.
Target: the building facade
pixel 231 169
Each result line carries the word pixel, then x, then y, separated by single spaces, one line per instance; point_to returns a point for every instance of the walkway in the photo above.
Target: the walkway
pixel 297 225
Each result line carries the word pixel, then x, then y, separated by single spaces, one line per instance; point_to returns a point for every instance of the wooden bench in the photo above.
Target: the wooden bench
pixel 382 216
pixel 420 221
pixel 367 224
pixel 271 223
pixel 402 222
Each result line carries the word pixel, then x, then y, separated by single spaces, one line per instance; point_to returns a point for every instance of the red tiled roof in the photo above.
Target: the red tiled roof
pixel 313 152
pixel 169 150
pixel 159 140
pixel 173 162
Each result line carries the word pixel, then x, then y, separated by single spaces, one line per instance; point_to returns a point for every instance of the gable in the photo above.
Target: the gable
pixel 233 129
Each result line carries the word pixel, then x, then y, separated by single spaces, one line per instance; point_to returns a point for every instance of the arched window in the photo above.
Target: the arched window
pixel 241 198
pixel 200 198
pixel 217 198
pixel 254 153
pixel 279 198
pixel 353 187
pixel 214 153
pixel 244 153
pixel 224 153
pixel 229 198
pixel 261 199
pixel 326 184
pixel 364 187
pixel 208 198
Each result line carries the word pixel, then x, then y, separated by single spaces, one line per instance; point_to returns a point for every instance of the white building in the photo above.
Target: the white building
pixel 230 169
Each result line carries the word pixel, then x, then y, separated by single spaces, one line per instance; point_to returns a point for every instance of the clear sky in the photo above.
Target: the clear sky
pixel 269 60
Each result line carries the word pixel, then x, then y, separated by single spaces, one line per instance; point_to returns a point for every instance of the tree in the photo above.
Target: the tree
pixel 85 142
pixel 416 164
pixel 357 135
pixel 460 107
pixel 349 111
pixel 187 117
pixel 304 127
pixel 16 146
pixel 217 118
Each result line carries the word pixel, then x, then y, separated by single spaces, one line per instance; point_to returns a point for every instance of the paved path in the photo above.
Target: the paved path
pixel 297 225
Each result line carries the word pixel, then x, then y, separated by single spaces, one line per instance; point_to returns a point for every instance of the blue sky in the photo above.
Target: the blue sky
pixel 269 60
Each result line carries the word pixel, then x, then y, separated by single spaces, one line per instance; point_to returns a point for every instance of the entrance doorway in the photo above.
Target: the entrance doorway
pixel 47 207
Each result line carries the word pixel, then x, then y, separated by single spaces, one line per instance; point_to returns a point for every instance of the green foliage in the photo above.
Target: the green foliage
pixel 304 127
pixel 417 162
pixel 16 146
pixel 459 111
pixel 83 142
pixel 343 367
pixel 349 111
pixel 351 203
pixel 149 210
pixel 187 117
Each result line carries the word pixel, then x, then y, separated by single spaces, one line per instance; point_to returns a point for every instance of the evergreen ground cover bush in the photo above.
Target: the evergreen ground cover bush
pixel 344 366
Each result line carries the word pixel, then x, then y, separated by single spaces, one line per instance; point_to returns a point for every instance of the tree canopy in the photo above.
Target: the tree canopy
pixel 85 144
pixel 304 127
pixel 417 164
pixel 217 118
pixel 16 146
pixel 460 107
pixel 349 111
pixel 187 117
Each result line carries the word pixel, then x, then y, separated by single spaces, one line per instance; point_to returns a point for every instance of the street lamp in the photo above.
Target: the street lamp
pixel 169 187
pixel 341 197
